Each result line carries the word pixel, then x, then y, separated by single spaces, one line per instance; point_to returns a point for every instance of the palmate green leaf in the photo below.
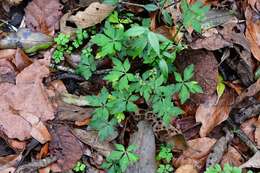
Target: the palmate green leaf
pixel 154 42
pixel 107 130
pixel 120 147
pixel 167 17
pixel 135 31
pixel 178 77
pixel 110 2
pixel 124 163
pixel 164 68
pixel 100 39
pixel 132 157
pixel 194 87
pixel 116 155
pixel 151 7
pixel 188 72
pixel 184 94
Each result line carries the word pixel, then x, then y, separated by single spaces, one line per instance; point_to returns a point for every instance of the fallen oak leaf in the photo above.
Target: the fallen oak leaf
pixel 95 13
pixel 43 15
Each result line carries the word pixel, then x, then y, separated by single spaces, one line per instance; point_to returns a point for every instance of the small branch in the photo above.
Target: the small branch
pixel 132 4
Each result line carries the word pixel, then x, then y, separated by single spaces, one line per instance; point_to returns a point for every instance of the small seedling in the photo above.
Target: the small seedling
pixel 120 159
pixel 79 167
pixel 165 156
pixel 184 84
pixel 227 169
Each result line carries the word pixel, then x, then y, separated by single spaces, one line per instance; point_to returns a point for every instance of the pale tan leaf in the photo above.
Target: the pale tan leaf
pixel 253 162
pixel 232 157
pixel 92 15
pixel 186 169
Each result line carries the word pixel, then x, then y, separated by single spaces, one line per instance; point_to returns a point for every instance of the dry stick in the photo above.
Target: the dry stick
pixel 242 136
pixel 35 165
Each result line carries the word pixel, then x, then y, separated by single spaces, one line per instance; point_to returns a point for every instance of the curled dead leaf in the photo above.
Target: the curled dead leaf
pixel 232 157
pixel 252 31
pixel 212 113
pixel 197 152
pixel 95 13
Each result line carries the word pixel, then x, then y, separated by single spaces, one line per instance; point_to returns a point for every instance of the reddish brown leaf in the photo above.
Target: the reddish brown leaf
pixel 26 104
pixel 197 152
pixel 21 60
pixel 65 147
pixel 211 113
pixel 232 157
pixel 43 15
pixel 252 31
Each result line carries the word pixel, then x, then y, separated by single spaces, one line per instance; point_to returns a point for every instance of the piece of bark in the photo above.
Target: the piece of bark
pixel 145 141
pixel 219 149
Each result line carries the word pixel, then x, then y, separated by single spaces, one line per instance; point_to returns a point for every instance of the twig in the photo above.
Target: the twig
pixel 35 165
pixel 132 4
pixel 175 2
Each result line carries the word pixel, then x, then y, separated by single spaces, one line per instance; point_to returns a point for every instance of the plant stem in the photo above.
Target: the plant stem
pixel 177 32
pixel 132 4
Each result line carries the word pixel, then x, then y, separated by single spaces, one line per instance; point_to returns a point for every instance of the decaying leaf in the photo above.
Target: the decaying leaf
pixel 253 162
pixel 29 41
pixel 219 149
pixel 211 114
pixel 257 132
pixel 26 104
pixel 232 157
pixel 91 138
pixel 217 17
pixel 186 169
pixel 197 152
pixel 145 141
pixel 43 15
pixel 65 146
pixel 252 31
pixel 95 13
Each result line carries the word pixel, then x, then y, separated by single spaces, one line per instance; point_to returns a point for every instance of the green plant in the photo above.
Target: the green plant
pixel 62 42
pixel 184 86
pixel 87 64
pixel 165 156
pixel 120 159
pixel 165 168
pixel 192 15
pixel 110 42
pixel 65 46
pixel 79 167
pixel 165 153
pixel 227 169
pixel 220 86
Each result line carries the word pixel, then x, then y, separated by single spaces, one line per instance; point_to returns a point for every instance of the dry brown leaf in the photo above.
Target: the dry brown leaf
pixel 92 15
pixel 253 162
pixel 25 104
pixel 91 138
pixel 232 157
pixel 43 15
pixel 257 132
pixel 186 169
pixel 248 127
pixel 253 31
pixel 21 60
pixel 197 152
pixel 214 42
pixel 13 2
pixel 65 146
pixel 211 113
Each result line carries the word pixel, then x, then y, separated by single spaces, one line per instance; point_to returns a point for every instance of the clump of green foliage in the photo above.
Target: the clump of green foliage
pixel 227 169
pixel 64 45
pixel 79 167
pixel 126 41
pixel 165 157
pixel 120 159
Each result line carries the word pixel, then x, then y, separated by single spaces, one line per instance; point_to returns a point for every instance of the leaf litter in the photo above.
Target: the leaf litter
pixel 34 110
